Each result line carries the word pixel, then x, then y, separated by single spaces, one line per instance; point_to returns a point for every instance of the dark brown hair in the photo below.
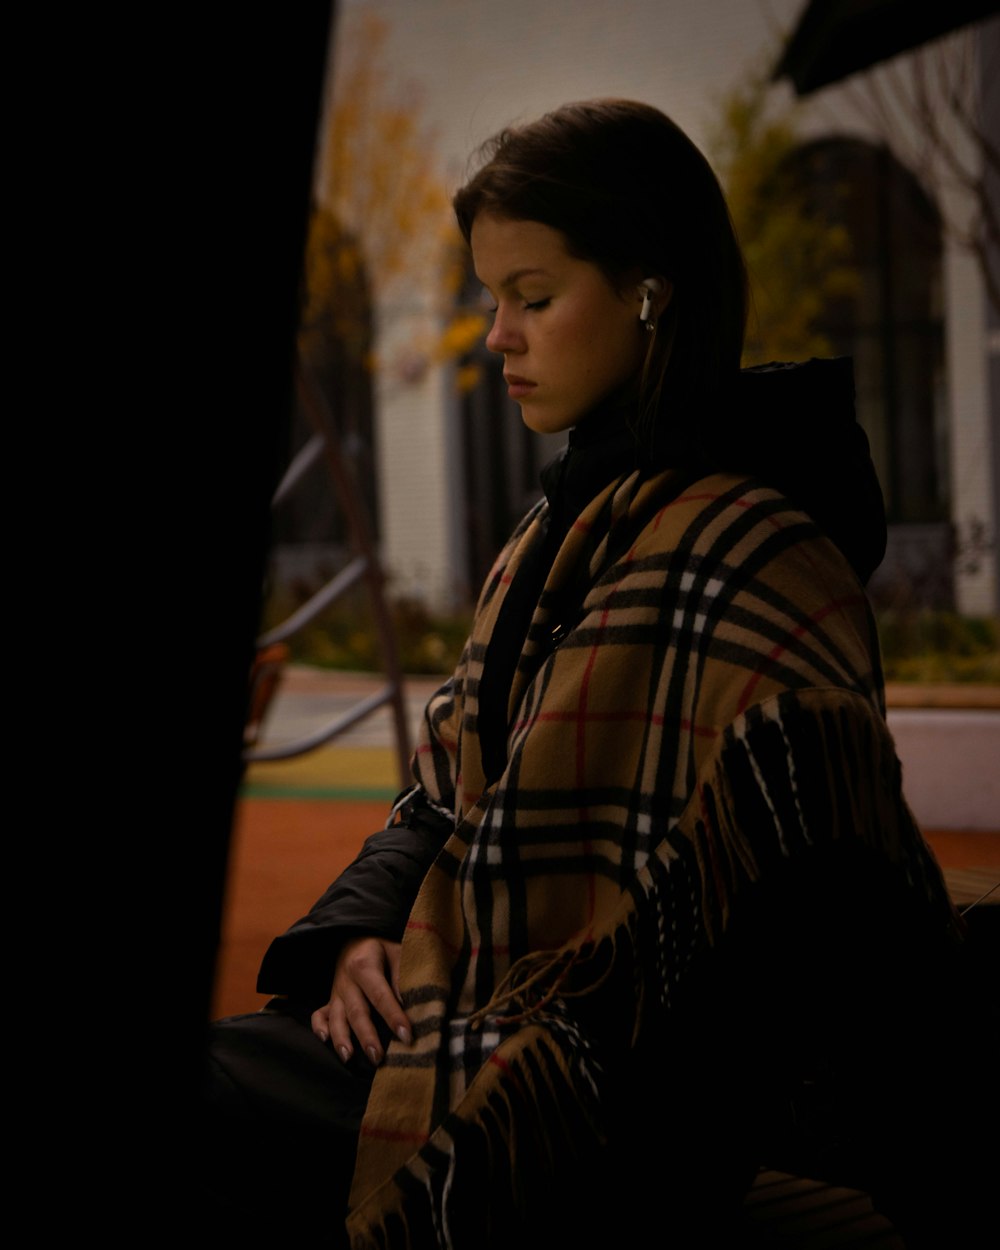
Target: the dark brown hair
pixel 627 188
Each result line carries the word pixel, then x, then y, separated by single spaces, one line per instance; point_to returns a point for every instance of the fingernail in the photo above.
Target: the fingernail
pixel 404 1035
pixel 373 1055
pixel 323 1035
pixel 344 1053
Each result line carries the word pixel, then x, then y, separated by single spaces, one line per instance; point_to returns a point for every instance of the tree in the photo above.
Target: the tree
pixel 380 235
pixel 931 109
pixel 381 226
pixel 797 260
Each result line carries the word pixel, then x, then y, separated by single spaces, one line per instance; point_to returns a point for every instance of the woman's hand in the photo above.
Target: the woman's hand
pixel 366 976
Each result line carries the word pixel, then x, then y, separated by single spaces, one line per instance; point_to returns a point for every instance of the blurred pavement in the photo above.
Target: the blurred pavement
pixel 948 739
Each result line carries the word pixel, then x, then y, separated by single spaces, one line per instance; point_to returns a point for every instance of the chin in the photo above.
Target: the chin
pixel 547 422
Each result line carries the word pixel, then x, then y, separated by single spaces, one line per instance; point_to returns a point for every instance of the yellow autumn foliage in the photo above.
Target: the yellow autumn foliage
pixel 461 335
pixel 381 224
pixel 798 261
pixel 467 378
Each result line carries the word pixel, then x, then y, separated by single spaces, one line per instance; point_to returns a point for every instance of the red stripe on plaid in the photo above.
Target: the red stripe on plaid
pixel 658 517
pixel 511 1073
pixel 425 748
pixel 580 714
pixel 581 719
pixel 835 605
pixel 424 927
pixel 699 498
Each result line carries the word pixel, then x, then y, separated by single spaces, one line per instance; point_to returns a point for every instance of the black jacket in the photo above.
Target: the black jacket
pixel 371 898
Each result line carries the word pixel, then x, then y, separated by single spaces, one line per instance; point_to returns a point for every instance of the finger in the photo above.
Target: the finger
pixel 366 964
pixel 357 1010
pixel 318 1023
pixel 340 1033
pixel 380 994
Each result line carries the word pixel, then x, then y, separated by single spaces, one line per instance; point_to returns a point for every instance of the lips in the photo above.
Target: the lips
pixel 518 388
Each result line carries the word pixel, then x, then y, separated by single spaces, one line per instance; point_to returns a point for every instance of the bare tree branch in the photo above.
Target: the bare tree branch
pixel 927 111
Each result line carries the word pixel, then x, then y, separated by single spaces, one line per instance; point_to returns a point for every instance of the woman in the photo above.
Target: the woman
pixel 658 796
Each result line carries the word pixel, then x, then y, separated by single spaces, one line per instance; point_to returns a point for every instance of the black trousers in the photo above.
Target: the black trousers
pixel 282 1115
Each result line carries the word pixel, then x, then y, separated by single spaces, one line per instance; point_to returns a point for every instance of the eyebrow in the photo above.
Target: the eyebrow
pixel 517 274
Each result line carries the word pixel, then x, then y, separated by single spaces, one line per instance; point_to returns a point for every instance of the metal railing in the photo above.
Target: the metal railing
pixel 325 443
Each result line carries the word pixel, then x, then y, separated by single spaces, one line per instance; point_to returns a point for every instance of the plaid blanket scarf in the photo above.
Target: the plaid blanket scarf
pixel 698 699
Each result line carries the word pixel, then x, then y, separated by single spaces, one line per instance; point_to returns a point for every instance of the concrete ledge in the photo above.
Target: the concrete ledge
pixel 941 694
pixel 951 765
pixel 947 736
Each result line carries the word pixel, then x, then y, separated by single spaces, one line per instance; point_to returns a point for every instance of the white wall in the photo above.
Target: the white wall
pixel 971 436
pixel 423 545
pixel 949 758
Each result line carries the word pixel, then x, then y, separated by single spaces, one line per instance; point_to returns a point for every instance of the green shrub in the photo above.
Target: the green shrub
pixel 344 635
pixel 935 646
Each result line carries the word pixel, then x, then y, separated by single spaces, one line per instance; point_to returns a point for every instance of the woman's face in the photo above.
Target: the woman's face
pixel 567 336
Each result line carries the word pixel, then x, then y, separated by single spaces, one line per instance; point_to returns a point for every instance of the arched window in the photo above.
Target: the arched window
pixel 892 323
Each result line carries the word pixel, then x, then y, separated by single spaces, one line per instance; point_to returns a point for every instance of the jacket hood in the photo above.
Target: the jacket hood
pixel 793 426
pixel 790 425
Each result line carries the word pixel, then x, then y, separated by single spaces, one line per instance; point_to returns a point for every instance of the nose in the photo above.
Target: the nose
pixel 505 335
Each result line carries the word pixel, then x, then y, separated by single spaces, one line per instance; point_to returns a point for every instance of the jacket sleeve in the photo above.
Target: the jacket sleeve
pixel 372 898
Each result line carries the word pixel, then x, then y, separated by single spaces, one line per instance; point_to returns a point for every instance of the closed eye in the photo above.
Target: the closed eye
pixel 531 306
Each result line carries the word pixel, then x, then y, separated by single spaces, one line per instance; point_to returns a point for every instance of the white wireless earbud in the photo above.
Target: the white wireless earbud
pixel 649 288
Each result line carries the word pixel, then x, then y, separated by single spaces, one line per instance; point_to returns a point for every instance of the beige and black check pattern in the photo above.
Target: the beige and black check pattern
pixel 699 697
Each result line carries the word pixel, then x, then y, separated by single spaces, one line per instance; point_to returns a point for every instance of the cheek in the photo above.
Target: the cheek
pixel 585 341
pixel 593 345
pixel 615 353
